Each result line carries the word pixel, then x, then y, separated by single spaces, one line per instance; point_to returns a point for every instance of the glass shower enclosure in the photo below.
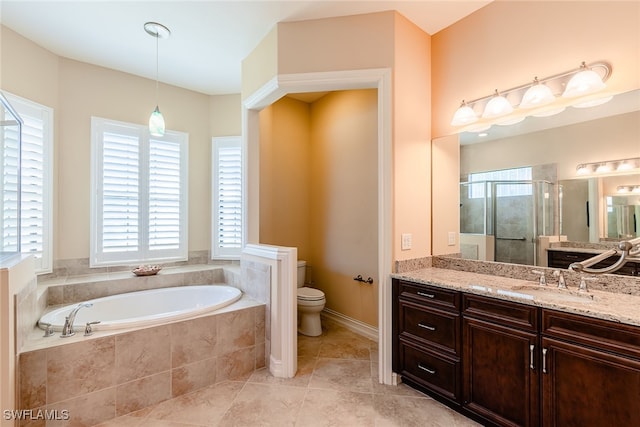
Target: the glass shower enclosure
pixel 10 152
pixel 508 217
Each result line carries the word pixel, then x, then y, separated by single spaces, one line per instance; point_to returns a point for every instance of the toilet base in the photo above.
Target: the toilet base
pixel 310 324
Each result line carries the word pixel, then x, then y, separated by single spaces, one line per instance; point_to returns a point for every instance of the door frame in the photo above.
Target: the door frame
pixel 276 88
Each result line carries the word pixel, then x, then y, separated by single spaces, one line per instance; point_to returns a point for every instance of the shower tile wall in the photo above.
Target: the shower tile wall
pixel 101 378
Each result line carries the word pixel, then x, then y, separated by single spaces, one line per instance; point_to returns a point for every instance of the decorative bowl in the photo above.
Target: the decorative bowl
pixel 146 270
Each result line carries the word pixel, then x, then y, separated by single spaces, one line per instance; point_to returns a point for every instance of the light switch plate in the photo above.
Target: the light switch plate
pixel 406 241
pixel 452 238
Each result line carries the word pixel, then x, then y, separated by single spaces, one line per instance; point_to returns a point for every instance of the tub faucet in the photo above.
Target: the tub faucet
pixel 67 329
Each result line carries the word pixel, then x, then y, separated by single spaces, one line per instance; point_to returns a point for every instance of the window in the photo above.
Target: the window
pixel 36 179
pixel 139 197
pixel 228 202
pixel 477 182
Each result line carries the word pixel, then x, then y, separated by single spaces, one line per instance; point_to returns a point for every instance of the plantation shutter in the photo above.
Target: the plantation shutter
pixel 33 169
pixel 140 198
pixel 120 192
pixel 227 197
pixel 10 186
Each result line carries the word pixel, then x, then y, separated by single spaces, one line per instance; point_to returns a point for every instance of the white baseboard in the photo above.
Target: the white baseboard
pixel 354 325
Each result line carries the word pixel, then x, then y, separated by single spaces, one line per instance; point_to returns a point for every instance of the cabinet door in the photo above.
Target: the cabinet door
pixel 587 387
pixel 500 373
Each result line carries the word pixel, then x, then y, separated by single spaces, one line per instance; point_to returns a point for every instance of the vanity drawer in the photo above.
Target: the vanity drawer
pixel 431 370
pixel 596 333
pixel 506 313
pixel 430 295
pixel 433 327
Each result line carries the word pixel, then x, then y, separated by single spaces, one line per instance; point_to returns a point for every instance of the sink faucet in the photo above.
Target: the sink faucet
pixel 543 280
pixel 67 329
pixel 562 284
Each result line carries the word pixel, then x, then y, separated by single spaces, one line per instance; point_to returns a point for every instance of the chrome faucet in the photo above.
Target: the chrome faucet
pixel 543 280
pixel 562 284
pixel 67 329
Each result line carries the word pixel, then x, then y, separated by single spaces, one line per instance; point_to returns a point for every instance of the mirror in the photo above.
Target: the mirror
pixel 582 209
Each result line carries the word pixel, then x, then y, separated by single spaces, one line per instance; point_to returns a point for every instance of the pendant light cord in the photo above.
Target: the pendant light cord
pixel 157 66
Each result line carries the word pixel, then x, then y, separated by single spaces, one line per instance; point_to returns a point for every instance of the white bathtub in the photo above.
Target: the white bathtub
pixel 144 308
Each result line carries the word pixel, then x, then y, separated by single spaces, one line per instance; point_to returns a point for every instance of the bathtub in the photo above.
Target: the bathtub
pixel 144 308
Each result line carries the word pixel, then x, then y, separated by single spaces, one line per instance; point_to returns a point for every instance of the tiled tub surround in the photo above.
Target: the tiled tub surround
pixel 112 373
pixel 107 375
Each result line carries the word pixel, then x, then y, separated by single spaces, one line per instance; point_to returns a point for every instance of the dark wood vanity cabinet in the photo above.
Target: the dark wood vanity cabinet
pixel 590 372
pixel 500 375
pixel 427 342
pixel 509 364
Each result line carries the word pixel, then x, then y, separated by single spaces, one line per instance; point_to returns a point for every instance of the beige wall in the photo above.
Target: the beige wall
pixel 411 139
pixel 318 192
pixel 284 175
pixel 343 200
pixel 78 91
pixel 508 43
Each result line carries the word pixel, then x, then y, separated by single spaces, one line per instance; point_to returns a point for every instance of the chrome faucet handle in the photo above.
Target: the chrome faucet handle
pixel 88 330
pixel 582 288
pixel 562 284
pixel 543 280
pixel 48 331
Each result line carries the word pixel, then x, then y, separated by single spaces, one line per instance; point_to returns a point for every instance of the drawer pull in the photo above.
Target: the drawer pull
pixel 544 360
pixel 424 368
pixel 531 348
pixel 430 328
pixel 422 294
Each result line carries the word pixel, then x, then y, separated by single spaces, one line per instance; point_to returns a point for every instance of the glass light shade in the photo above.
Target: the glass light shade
pixel 636 189
pixel 537 96
pixel 583 169
pixel 156 123
pixel 583 83
pixel 603 168
pixel 496 107
pixel 625 165
pixel 464 115
pixel 622 189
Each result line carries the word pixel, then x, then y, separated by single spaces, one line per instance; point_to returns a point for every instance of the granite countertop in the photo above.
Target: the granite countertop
pixel 617 307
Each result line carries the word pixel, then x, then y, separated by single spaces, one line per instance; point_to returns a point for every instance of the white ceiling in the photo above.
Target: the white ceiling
pixel 209 38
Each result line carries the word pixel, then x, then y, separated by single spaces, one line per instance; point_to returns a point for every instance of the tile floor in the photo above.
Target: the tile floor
pixel 336 385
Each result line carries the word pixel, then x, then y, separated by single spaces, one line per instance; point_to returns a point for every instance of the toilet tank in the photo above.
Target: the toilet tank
pixel 302 268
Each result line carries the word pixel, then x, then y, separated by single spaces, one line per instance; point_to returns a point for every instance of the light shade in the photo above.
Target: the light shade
pixel 583 83
pixel 496 107
pixel 537 96
pixel 464 115
pixel 156 123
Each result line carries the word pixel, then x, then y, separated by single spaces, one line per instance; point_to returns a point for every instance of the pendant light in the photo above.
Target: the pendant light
pixel 156 120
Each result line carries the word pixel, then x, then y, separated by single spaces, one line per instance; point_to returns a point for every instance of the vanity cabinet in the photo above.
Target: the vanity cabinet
pixel 426 346
pixel 512 364
pixel 500 376
pixel 590 371
pixel 563 259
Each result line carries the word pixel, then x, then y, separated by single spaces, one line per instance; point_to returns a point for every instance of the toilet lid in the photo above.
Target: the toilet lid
pixel 310 294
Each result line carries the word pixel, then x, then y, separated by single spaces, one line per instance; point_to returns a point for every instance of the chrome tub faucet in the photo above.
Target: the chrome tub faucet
pixel 67 329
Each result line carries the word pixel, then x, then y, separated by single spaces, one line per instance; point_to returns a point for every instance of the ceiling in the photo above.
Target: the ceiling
pixel 209 38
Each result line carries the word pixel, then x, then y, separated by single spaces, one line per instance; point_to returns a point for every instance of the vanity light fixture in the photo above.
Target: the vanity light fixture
pixel 497 106
pixel 537 95
pixel 156 120
pixel 608 166
pixel 624 189
pixel 581 87
pixel 584 82
pixel 464 115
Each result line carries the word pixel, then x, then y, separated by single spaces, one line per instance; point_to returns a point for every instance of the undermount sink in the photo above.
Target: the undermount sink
pixel 531 292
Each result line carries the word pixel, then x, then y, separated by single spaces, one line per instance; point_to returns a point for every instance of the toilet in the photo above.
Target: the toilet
pixel 311 301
